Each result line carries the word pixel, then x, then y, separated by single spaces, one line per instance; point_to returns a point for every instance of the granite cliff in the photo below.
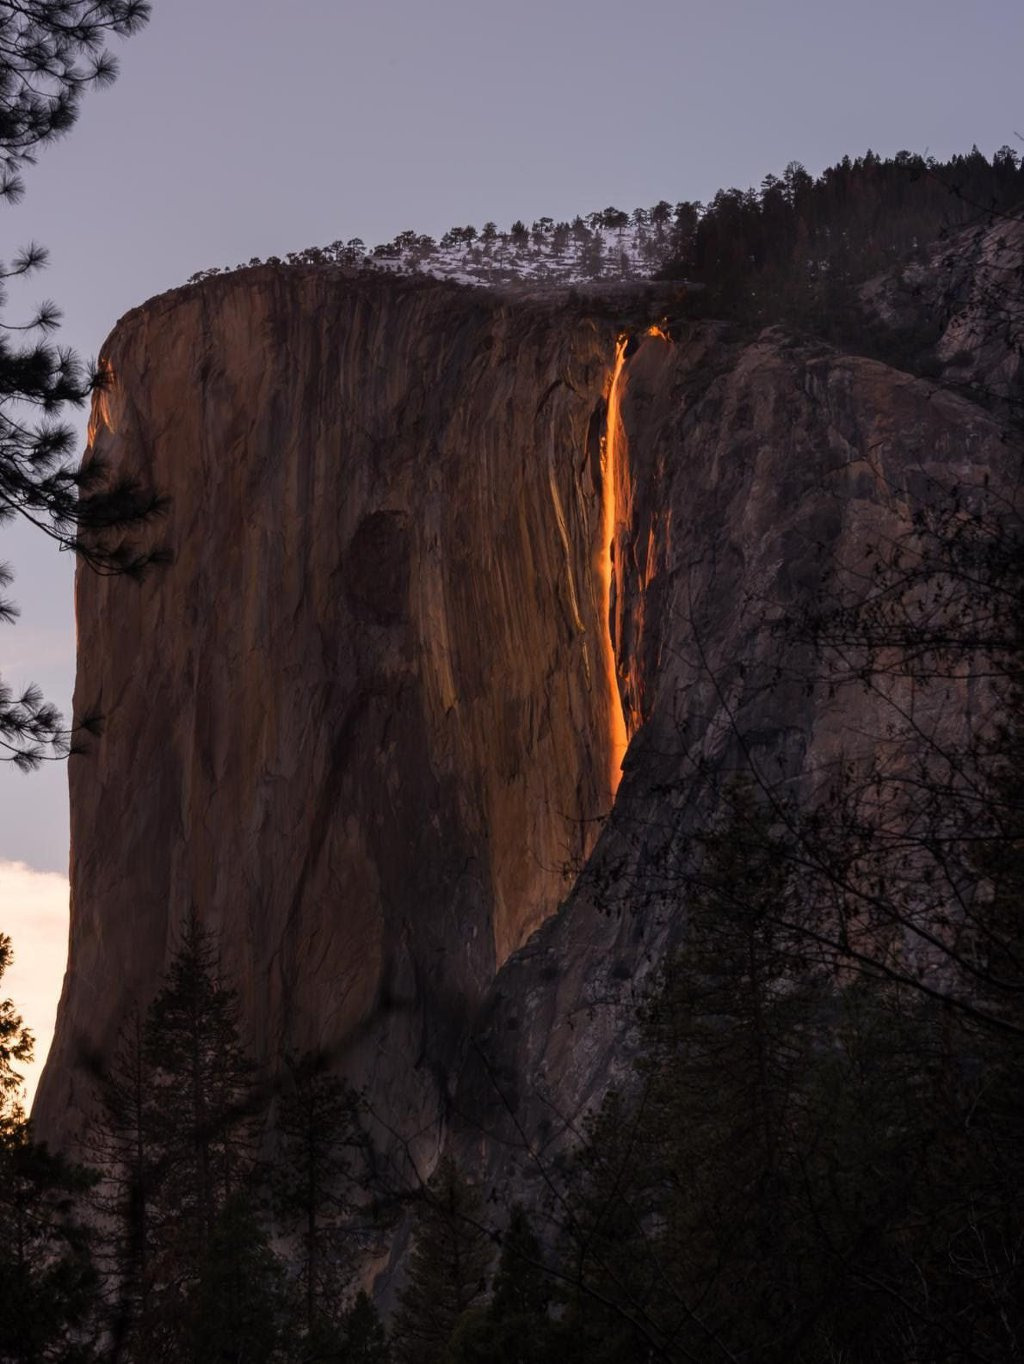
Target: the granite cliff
pixel 368 724
pixel 361 724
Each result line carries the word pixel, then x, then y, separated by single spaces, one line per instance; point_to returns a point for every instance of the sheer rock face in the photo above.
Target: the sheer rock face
pixel 361 724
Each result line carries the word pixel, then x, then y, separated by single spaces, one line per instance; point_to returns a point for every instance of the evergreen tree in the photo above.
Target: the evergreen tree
pixel 660 215
pixel 592 256
pixel 313 1181
pixel 727 1040
pixel 607 1257
pixel 521 1286
pixel 447 1268
pixel 50 54
pixel 883 1167
pixel 363 1337
pixel 238 1310
pixel 48 1285
pixel 799 249
pixel 202 1106
pixel 122 1146
pixel 515 1327
pixel 16 1047
pixel 686 1230
pixel 179 1134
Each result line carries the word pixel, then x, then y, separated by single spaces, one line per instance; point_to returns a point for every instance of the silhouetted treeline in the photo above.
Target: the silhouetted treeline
pixel 795 249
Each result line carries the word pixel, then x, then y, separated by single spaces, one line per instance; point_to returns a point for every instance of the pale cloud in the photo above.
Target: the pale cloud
pixel 34 915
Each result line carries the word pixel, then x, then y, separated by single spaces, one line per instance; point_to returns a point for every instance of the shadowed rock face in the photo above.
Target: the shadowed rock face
pixel 362 724
pixel 757 471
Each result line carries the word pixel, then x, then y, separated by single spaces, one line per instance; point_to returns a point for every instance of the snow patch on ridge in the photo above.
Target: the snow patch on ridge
pixel 607 247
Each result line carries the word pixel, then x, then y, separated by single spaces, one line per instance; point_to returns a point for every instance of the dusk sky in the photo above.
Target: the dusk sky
pixel 241 128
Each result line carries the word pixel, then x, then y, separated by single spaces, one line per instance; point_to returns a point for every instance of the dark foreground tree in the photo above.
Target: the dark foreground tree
pixel 177 1140
pixel 314 1181
pixel 814 1161
pixel 202 1103
pixel 16 1045
pixel 121 1146
pixel 48 1286
pixel 447 1268
pixel 515 1326
pixel 363 1337
pixel 238 1311
pixel 684 1222
pixel 51 53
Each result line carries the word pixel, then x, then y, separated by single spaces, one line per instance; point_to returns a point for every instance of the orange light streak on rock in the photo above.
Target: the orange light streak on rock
pixel 612 455
pixel 100 414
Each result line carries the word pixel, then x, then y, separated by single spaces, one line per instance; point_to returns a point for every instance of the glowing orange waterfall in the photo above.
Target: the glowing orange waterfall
pixel 612 454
